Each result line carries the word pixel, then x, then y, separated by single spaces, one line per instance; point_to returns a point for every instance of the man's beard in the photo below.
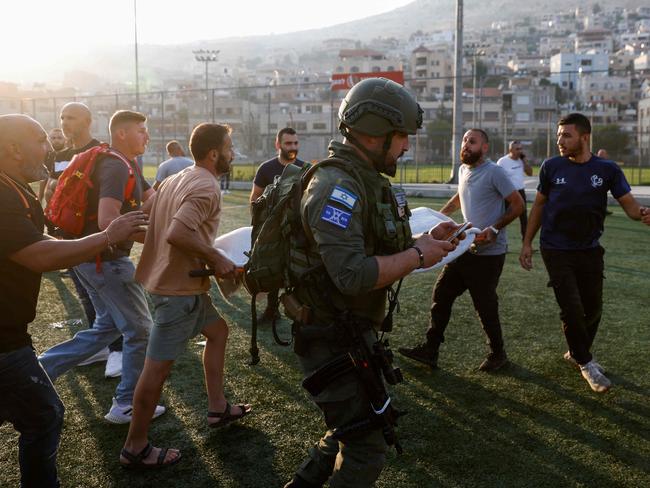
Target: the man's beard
pixel 570 152
pixel 222 166
pixel 469 158
pixel 289 155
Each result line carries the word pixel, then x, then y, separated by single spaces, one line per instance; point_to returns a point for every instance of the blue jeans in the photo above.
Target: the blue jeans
pixel 29 401
pixel 89 310
pixel 120 309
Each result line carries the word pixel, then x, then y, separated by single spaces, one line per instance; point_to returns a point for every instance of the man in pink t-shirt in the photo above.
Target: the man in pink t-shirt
pixel 184 218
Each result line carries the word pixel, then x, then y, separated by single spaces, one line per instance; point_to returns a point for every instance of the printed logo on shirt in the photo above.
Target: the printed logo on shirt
pixel 560 181
pixel 60 166
pixel 333 215
pixel 596 181
pixel 343 196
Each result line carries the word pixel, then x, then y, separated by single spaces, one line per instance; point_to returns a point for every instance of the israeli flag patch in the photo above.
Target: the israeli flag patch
pixel 336 216
pixel 344 197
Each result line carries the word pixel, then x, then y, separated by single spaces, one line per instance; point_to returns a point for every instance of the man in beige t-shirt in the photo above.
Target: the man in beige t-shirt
pixel 183 220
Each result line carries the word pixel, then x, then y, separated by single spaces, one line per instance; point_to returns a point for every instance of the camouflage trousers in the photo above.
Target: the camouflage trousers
pixel 353 462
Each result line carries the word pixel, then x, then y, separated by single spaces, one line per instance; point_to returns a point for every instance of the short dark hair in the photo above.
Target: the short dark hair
pixel 286 130
pixel 172 144
pixel 486 139
pixel 124 116
pixel 583 126
pixel 206 137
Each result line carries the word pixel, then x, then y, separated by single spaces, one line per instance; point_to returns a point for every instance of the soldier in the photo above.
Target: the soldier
pixel 358 243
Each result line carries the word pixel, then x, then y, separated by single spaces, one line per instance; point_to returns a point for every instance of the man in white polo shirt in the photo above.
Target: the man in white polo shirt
pixel 517 168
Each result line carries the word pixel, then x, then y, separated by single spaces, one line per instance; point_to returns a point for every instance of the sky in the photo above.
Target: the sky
pixel 34 31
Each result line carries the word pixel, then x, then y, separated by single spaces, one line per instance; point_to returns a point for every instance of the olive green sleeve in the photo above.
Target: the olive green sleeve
pixel 340 244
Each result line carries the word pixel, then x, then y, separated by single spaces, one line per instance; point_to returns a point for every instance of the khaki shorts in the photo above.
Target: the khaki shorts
pixel 177 319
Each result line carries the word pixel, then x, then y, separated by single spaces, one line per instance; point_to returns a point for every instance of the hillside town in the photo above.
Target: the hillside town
pixel 518 76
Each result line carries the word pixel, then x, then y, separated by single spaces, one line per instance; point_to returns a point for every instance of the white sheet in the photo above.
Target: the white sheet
pixel 235 243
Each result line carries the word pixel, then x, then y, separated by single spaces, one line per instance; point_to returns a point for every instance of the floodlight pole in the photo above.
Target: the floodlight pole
pixel 457 132
pixel 206 56
pixel 137 76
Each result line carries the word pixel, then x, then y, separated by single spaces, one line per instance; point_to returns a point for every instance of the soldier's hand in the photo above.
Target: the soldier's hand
pixel 432 249
pixel 444 230
pixel 526 257
pixel 125 226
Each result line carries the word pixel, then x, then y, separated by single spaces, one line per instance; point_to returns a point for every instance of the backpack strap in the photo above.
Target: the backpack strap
pixel 10 183
pixel 130 184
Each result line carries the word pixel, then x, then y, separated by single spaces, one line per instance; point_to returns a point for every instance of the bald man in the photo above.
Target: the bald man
pixel 27 398
pixel 76 122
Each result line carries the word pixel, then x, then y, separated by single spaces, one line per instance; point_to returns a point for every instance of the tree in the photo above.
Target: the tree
pixel 612 139
pixel 439 132
pixel 596 9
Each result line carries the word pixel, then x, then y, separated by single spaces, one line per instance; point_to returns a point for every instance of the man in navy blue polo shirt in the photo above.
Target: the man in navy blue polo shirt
pixel 570 207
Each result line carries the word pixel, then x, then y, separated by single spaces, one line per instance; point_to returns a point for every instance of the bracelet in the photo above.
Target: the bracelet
pixel 420 256
pixel 108 239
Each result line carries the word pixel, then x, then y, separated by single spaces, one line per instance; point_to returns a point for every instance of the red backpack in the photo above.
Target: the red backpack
pixel 68 207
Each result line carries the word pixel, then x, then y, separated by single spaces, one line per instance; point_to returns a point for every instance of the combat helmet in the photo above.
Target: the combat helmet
pixel 377 107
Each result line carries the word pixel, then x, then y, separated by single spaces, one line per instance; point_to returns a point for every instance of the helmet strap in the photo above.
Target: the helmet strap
pixel 378 160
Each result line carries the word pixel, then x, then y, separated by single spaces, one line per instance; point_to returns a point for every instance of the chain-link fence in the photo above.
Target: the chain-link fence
pixel 256 113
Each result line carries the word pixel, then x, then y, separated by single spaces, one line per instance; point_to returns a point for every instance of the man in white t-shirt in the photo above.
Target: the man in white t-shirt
pixel 517 168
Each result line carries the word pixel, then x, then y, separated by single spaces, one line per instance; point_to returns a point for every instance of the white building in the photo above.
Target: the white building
pixel 566 67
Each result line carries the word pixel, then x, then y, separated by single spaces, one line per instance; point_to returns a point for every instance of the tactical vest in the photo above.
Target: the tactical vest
pixel 386 231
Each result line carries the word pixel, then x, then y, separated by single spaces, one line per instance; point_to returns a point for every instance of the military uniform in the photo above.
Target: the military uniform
pixel 350 214
pixel 347 223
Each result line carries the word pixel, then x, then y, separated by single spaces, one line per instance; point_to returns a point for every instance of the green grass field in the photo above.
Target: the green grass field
pixel 430 173
pixel 535 423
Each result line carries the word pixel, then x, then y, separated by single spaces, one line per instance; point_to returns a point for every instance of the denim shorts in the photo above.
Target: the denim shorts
pixel 177 319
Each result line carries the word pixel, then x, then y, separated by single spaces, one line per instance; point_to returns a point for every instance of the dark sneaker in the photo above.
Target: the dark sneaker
pixel 423 353
pixel 494 361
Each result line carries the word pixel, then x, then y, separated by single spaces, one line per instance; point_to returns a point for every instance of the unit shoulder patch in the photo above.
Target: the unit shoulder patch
pixel 336 216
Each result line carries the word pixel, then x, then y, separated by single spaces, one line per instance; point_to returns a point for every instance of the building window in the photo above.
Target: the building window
pixel 522 117
pixel 376 69
pixel 314 109
pixel 319 126
pixel 354 69
pixel 523 100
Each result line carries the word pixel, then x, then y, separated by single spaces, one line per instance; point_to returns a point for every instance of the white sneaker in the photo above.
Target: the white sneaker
pixel 597 380
pixel 95 358
pixel 568 358
pixel 114 365
pixel 121 414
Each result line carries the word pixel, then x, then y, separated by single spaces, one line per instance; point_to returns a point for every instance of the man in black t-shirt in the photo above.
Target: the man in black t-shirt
pixel 27 398
pixel 46 188
pixel 286 144
pixel 119 301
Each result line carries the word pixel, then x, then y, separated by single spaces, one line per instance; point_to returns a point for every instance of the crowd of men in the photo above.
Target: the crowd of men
pixel 357 240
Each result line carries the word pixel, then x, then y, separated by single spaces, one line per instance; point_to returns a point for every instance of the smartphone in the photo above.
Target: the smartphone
pixel 459 231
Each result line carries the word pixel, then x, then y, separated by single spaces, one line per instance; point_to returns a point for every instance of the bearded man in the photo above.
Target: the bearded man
pixel 483 190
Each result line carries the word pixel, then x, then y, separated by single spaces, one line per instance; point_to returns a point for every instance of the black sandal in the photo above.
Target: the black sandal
pixel 136 461
pixel 227 417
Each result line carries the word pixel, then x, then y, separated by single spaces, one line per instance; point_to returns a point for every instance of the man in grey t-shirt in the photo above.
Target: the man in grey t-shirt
pixel 176 163
pixel 483 190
